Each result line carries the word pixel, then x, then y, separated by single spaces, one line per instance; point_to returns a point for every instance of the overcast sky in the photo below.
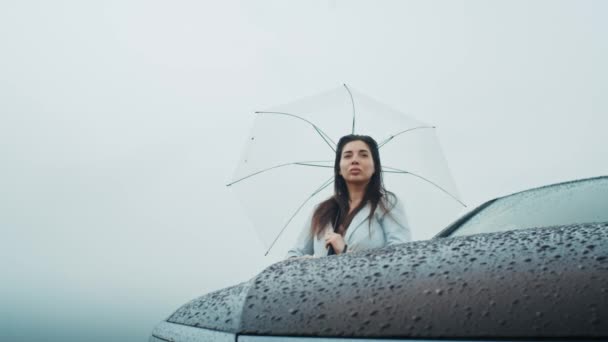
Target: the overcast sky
pixel 122 121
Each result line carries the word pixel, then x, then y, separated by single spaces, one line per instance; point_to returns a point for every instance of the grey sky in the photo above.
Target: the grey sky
pixel 120 123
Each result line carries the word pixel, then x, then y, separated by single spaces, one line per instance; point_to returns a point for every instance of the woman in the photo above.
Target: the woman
pixel 359 196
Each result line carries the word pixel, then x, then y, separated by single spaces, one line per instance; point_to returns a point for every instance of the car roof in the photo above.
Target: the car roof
pixel 535 283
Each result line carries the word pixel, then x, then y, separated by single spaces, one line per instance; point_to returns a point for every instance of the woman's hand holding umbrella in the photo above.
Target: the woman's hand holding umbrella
pixel 335 240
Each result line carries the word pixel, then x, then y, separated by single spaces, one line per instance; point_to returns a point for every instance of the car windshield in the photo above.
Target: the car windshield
pixel 583 201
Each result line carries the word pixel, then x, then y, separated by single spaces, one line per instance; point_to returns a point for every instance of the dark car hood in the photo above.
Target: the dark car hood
pixel 547 282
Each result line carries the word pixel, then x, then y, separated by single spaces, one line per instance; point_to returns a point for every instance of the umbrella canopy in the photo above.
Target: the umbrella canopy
pixel 287 164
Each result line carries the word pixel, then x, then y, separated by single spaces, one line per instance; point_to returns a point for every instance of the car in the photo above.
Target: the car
pixel 528 266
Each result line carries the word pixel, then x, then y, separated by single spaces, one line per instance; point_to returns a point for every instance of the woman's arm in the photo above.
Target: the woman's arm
pixel 304 243
pixel 396 227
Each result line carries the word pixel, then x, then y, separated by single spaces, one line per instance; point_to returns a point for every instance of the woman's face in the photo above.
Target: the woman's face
pixel 356 163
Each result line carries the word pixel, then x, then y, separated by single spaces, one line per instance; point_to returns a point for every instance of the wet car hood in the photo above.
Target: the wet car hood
pixel 546 282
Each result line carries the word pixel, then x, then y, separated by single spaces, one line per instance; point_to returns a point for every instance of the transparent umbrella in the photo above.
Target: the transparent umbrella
pixel 287 163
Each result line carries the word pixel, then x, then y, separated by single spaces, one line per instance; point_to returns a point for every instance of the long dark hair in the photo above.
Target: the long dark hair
pixel 335 210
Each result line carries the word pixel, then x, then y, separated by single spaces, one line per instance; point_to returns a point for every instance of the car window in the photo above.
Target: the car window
pixel 582 201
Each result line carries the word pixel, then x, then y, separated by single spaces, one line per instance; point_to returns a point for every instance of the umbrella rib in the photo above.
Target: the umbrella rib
pixel 352 101
pixel 323 135
pixel 402 132
pixel 302 163
pixel 323 186
pixel 313 165
pixel 394 170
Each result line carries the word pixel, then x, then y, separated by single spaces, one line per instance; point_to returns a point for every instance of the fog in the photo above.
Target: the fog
pixel 121 123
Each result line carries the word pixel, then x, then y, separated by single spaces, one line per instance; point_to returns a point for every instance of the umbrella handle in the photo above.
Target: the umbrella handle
pixel 331 250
